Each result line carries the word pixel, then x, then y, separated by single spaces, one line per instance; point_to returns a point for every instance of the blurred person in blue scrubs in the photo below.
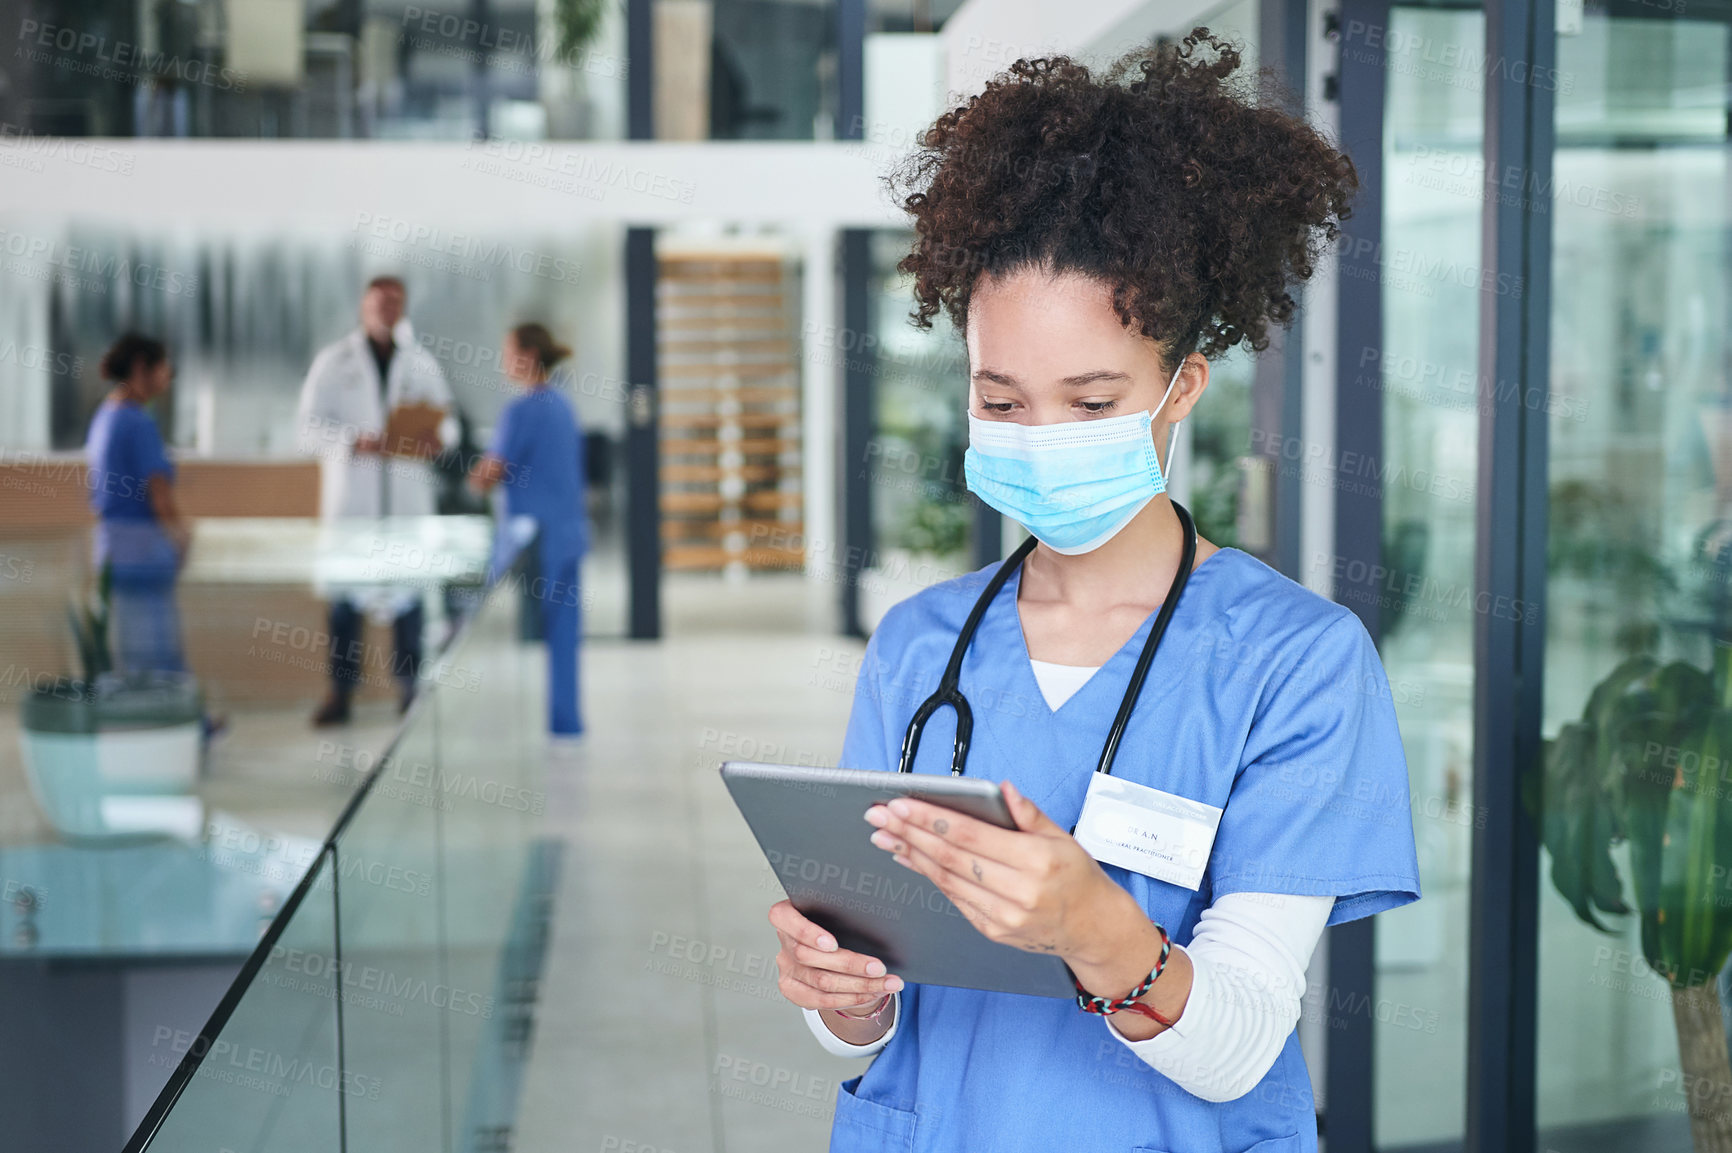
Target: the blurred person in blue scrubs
pixel 142 539
pixel 141 536
pixel 536 459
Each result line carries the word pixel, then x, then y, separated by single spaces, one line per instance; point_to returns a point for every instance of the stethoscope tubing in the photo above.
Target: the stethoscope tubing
pixel 949 691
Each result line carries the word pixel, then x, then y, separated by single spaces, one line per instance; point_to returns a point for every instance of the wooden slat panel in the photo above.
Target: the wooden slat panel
pixel 767 349
pixel 710 446
pixel 735 339
pixel 721 303
pixel 683 304
pixel 715 272
pixel 685 420
pixel 709 370
pixel 713 502
pixel 712 352
pixel 722 283
pixel 719 259
pixel 700 557
pixel 708 319
pixel 692 473
pixel 713 529
pixel 753 394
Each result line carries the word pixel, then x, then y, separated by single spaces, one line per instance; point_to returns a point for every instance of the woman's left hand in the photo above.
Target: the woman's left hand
pixel 1033 887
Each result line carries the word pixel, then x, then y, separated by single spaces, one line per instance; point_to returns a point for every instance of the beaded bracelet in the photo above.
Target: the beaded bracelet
pixel 1089 1003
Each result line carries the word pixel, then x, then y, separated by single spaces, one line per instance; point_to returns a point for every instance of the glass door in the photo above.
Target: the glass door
pixel 1632 1047
pixel 1425 369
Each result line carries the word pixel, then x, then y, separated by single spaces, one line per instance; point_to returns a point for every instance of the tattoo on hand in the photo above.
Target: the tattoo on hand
pixel 941 826
pixel 977 875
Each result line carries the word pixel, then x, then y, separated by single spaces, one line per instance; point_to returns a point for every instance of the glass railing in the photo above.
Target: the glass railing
pixel 383 1006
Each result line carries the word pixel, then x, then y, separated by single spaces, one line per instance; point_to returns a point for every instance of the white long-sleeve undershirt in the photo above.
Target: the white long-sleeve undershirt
pixel 1248 961
pixel 834 1044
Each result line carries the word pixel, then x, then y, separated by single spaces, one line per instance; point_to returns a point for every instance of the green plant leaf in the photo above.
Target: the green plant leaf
pixel 1581 857
pixel 576 23
pixel 1665 726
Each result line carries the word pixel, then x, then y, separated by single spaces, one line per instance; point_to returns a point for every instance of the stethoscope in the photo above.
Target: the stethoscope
pixel 949 694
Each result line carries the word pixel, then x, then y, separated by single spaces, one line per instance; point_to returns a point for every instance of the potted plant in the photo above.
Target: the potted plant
pixel 101 753
pixel 1649 762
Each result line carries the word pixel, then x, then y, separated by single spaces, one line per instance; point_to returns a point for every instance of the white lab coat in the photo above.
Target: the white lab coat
pixel 340 403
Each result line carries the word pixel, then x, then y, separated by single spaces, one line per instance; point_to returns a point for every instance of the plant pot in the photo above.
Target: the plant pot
pixel 107 759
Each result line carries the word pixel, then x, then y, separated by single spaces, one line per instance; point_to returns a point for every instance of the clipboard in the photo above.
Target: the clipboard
pixel 809 823
pixel 408 426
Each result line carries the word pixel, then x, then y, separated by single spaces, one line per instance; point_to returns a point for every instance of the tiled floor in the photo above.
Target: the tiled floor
pixel 659 1021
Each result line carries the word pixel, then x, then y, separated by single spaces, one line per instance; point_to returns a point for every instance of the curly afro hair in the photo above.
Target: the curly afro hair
pixel 1198 201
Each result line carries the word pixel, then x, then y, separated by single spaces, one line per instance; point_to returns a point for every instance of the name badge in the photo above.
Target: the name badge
pixel 1157 834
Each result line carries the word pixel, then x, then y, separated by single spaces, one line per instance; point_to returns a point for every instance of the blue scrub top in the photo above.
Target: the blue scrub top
pixel 1264 699
pixel 539 442
pixel 122 452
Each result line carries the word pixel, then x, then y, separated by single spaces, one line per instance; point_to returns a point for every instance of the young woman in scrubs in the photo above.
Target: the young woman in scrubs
pixel 141 537
pixel 1098 238
pixel 537 456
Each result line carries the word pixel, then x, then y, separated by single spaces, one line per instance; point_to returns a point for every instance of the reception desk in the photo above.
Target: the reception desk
pixel 253 595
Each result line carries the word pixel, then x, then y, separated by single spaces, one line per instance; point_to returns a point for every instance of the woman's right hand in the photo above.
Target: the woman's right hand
pixel 816 973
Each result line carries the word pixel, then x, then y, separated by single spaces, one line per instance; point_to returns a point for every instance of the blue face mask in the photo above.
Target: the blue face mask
pixel 1074 485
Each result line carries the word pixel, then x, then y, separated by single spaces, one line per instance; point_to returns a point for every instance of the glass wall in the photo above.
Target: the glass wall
pixel 1206 472
pixel 772 70
pixel 1426 369
pixel 442 70
pixel 1631 1039
pixel 371 68
pixel 922 512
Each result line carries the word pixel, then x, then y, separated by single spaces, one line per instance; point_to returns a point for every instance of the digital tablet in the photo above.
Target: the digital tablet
pixel 811 824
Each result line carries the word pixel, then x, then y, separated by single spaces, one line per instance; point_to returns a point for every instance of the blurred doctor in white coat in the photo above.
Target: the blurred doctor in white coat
pixel 350 388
